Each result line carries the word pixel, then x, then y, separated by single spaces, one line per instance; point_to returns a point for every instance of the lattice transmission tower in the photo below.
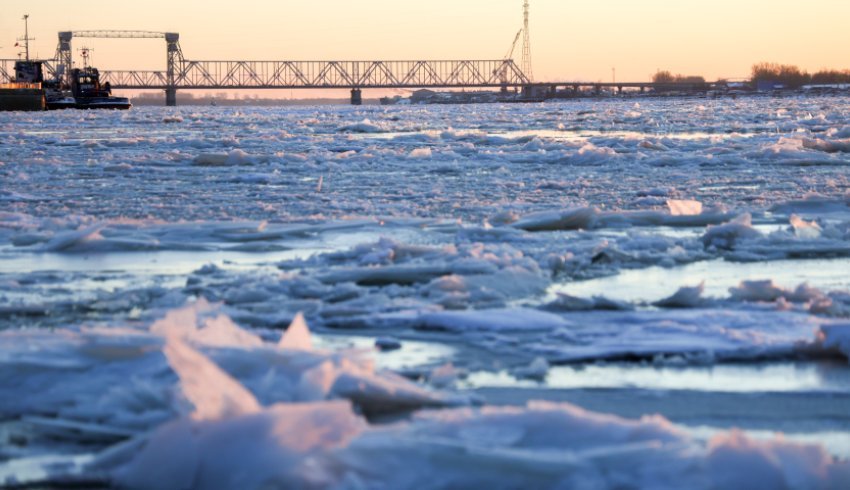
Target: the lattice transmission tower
pixel 526 44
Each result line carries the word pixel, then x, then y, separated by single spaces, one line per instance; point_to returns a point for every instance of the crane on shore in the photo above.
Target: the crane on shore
pixel 524 33
pixel 502 72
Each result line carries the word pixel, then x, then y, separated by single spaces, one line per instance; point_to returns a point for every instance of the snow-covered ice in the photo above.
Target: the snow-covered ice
pixel 316 297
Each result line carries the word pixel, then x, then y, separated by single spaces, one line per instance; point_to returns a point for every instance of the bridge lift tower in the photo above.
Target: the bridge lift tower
pixel 174 55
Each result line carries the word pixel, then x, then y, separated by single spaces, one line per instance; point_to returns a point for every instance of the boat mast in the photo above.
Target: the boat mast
pixel 26 39
pixel 86 53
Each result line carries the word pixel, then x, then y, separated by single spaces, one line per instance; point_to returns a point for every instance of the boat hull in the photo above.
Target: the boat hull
pixel 21 99
pixel 119 103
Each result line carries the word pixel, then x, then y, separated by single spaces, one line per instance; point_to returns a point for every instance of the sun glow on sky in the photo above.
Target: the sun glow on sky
pixel 571 40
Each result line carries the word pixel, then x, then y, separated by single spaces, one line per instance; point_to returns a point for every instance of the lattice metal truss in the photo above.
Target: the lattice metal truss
pixel 323 74
pixel 312 74
pixel 63 49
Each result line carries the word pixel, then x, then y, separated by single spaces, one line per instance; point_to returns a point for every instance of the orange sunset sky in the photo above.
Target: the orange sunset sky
pixel 571 40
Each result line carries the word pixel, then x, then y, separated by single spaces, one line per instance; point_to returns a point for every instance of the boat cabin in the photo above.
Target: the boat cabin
pixel 28 71
pixel 86 83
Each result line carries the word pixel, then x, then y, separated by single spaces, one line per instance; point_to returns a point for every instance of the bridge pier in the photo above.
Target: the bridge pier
pixel 171 97
pixel 356 96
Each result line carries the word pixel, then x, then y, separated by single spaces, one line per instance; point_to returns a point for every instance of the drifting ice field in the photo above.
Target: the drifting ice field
pixel 576 295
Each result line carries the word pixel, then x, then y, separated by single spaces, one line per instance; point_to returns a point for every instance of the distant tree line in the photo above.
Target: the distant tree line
pixel 664 76
pixel 793 77
pixel 790 76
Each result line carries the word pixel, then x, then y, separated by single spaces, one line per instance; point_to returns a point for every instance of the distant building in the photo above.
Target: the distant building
pixel 422 96
pixel 769 85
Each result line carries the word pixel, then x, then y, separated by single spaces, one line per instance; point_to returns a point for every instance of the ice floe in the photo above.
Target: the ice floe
pixel 325 444
pixel 117 377
pixel 472 228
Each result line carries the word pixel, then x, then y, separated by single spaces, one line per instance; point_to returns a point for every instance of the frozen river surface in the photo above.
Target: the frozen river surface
pixel 570 295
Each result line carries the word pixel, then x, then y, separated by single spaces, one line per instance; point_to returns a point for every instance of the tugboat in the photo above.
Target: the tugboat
pixel 89 93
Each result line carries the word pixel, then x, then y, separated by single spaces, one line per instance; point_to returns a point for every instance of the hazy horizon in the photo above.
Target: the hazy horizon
pixel 570 41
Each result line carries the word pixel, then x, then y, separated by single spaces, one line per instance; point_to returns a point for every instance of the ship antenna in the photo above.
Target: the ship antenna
pixel 86 54
pixel 26 39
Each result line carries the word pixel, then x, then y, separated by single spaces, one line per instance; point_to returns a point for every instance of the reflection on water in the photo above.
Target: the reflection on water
pixel 561 135
pixel 655 283
pixel 413 354
pixel 837 443
pixel 733 378
pixel 577 135
pixel 161 263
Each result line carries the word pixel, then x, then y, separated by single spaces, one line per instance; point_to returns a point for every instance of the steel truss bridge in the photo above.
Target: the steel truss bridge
pixel 181 73
pixel 323 74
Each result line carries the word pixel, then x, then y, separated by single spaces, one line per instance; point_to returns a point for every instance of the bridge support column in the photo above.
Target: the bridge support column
pixel 356 96
pixel 171 97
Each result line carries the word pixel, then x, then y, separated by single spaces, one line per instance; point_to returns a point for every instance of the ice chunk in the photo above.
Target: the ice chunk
pixel 685 297
pixel 210 160
pixel 214 394
pixel 537 370
pixel 68 240
pixel 235 157
pixel 365 126
pixel 239 157
pixel 500 320
pixel 386 344
pixel 570 219
pixel 222 332
pixel 836 336
pixel 768 291
pixel 699 335
pixel 541 445
pixel 652 145
pixel 400 274
pixel 504 218
pixel 566 302
pixel 827 146
pixel 194 323
pixel 805 229
pixel 297 336
pixel 736 461
pixel 813 204
pixel 419 154
pixel 684 208
pixel 283 445
pixel 444 376
pixel 727 236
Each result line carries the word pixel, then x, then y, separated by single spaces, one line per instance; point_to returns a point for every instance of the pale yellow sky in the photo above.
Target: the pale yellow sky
pixel 571 40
